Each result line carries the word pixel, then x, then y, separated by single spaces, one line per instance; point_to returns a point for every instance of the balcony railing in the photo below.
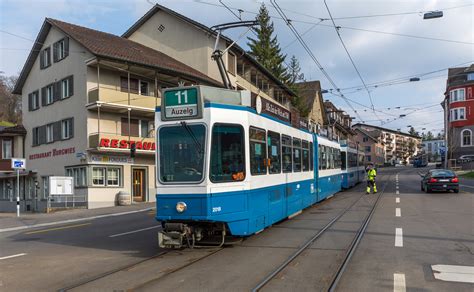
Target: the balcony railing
pixel 117 97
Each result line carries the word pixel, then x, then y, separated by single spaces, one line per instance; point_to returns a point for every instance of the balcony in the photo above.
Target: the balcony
pixel 110 99
pixel 111 142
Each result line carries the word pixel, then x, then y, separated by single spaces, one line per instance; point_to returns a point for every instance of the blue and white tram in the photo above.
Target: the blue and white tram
pixel 352 167
pixel 225 170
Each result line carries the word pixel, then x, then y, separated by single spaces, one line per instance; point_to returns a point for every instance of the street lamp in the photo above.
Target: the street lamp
pixel 433 14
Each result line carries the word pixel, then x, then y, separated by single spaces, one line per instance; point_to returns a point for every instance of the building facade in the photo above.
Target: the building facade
pixel 372 146
pixel 459 112
pixel 434 149
pixel 12 140
pixel 339 127
pixel 398 147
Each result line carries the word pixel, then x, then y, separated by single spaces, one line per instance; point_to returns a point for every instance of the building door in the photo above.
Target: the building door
pixel 139 184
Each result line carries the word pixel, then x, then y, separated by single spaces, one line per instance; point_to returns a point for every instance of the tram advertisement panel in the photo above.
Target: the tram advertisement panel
pixel 181 103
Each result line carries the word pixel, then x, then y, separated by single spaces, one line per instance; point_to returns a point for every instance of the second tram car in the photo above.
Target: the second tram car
pixel 352 166
pixel 225 169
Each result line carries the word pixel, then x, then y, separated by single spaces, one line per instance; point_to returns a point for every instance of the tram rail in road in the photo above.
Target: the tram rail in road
pixel 349 252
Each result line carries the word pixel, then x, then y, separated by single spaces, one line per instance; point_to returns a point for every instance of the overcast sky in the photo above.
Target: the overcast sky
pixel 379 56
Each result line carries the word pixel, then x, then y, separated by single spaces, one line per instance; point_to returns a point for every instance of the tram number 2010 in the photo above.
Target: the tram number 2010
pixel 216 209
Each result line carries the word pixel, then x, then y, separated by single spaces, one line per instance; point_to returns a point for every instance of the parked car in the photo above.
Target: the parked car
pixel 440 180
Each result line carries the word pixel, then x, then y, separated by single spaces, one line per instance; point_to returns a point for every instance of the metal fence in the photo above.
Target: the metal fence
pixel 66 201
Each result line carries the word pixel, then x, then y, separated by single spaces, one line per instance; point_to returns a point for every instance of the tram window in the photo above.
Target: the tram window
pixel 305 152
pixel 323 157
pixel 311 156
pixel 227 153
pixel 181 153
pixel 320 157
pixel 343 160
pixel 258 151
pixel 352 160
pixel 331 158
pixel 286 153
pixel 274 152
pixel 296 155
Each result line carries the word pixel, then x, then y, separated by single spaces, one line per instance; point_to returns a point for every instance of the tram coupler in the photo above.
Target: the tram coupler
pixel 174 235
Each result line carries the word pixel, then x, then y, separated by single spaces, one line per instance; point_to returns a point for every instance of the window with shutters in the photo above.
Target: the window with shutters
pixel 49 133
pixel 60 49
pixel 66 129
pixel 134 88
pixel 36 135
pixel 49 94
pixel 65 88
pixel 45 58
pixel 134 127
pixel 231 60
pixel 33 100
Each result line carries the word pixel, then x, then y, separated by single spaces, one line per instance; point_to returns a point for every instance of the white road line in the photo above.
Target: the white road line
pixel 397 187
pixel 467 186
pixel 398 237
pixel 398 212
pixel 453 273
pixel 13 256
pixel 397 200
pixel 74 220
pixel 398 192
pixel 399 283
pixel 135 231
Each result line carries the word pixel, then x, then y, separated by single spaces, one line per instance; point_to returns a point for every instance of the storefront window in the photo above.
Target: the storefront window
pixel 113 176
pixel 98 176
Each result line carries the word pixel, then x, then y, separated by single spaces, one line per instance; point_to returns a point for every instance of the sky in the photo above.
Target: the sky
pixel 386 50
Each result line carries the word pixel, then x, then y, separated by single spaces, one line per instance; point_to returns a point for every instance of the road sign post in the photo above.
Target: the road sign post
pixel 18 164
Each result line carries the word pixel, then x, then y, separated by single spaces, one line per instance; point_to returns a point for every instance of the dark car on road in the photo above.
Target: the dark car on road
pixel 440 180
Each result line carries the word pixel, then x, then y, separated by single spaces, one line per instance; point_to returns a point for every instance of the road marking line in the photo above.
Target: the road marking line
pixel 453 273
pixel 399 237
pixel 397 200
pixel 13 256
pixel 74 220
pixel 57 228
pixel 398 212
pixel 399 283
pixel 397 187
pixel 135 231
pixel 467 186
pixel 398 192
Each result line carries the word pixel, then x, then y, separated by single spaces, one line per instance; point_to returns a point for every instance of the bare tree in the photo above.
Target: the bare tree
pixel 10 104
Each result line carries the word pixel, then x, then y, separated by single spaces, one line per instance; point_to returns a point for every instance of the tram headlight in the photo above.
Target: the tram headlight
pixel 181 207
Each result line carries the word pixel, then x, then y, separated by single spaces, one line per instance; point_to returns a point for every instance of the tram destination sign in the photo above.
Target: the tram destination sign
pixel 181 103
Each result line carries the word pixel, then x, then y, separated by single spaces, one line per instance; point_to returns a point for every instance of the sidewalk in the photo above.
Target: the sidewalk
pixel 9 221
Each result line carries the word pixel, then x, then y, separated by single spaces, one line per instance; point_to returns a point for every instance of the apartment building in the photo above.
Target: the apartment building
pixel 12 140
pixel 398 147
pixel 339 126
pixel 370 142
pixel 434 149
pixel 459 112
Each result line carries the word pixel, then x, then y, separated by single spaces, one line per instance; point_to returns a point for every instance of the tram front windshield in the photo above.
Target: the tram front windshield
pixel 182 153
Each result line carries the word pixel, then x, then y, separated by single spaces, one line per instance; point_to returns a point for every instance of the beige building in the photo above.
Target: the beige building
pixel 88 95
pixel 399 147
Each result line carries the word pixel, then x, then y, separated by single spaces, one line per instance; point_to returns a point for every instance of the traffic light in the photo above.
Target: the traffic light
pixel 133 149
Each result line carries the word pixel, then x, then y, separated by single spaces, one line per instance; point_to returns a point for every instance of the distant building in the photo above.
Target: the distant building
pixel 459 111
pixel 340 123
pixel 310 92
pixel 434 149
pixel 12 140
pixel 398 147
pixel 371 144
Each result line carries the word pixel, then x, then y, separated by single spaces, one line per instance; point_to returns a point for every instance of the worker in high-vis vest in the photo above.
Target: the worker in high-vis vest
pixel 371 175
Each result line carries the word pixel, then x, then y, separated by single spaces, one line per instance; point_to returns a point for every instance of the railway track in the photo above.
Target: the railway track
pixel 91 280
pixel 348 253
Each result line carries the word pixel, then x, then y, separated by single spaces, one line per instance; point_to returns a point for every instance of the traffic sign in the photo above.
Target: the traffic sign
pixel 18 163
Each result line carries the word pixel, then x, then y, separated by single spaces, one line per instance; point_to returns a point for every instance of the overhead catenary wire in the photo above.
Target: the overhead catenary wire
pixel 313 57
pixel 352 61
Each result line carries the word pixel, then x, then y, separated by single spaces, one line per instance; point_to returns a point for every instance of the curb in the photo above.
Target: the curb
pixel 73 220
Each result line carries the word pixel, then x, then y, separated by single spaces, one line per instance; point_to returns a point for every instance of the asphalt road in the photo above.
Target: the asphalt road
pixel 437 229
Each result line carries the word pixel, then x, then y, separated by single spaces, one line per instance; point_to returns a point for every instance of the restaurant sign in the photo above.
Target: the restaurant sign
pixel 265 106
pixel 125 144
